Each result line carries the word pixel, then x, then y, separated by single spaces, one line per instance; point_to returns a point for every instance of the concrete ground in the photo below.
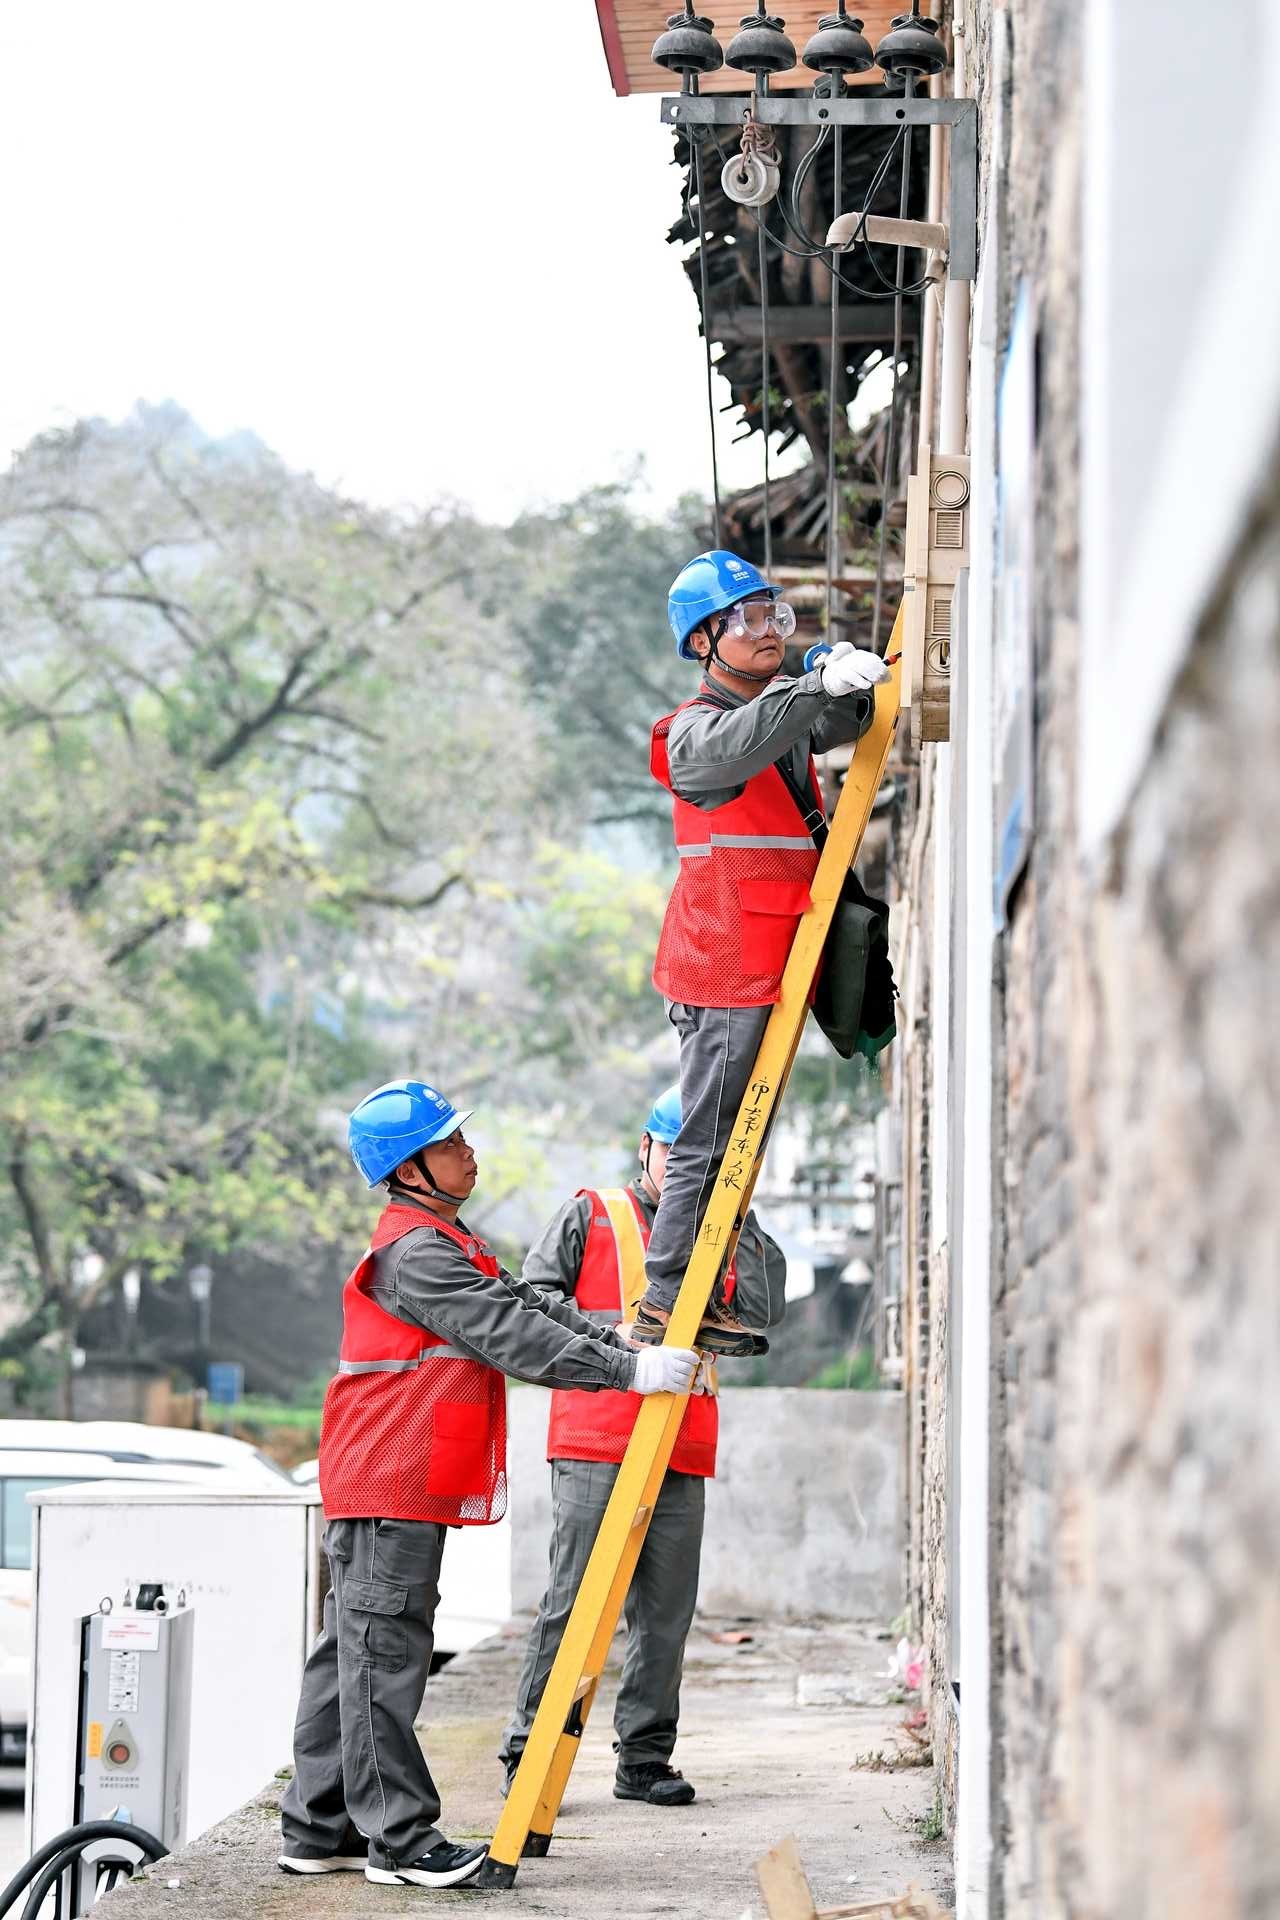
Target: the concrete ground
pixel 776 1735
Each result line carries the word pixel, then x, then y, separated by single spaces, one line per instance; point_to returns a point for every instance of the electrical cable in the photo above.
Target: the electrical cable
pixel 832 396
pixel 896 290
pixel 53 1859
pixel 706 334
pixel 892 432
pixel 764 395
pixel 811 250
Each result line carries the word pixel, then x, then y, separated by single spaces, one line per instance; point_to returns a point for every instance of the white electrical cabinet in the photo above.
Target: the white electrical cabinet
pixel 248 1567
pixel 133 1741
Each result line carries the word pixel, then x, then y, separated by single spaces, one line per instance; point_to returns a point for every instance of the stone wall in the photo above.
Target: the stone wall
pixel 1135 1525
pixel 1140 1681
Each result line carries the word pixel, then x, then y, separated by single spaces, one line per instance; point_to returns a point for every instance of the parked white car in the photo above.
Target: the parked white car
pixel 55 1453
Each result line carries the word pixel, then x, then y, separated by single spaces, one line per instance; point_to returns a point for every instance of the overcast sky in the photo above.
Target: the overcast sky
pixel 419 248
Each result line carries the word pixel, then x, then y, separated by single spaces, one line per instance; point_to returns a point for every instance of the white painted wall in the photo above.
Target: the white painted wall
pixel 940 1037
pixel 976 931
pixel 1180 353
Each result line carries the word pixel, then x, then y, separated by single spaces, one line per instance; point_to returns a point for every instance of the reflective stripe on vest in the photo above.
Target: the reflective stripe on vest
pixel 403 1366
pixel 597 1426
pixel 742 885
pixel 630 1239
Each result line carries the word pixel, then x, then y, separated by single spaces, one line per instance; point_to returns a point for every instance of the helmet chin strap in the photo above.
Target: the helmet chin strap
pixel 738 673
pixel 648 1177
pixel 437 1193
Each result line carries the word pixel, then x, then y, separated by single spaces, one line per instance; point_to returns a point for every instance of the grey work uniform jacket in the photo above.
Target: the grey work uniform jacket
pixel 426 1279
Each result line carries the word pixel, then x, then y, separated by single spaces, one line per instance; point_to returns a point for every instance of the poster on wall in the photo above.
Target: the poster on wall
pixel 1014 650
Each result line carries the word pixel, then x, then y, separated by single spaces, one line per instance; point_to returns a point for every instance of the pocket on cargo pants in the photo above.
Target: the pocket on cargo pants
pixel 377 1636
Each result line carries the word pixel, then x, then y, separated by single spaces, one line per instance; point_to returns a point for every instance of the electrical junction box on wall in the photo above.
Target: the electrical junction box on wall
pixel 937 551
pixel 135 1719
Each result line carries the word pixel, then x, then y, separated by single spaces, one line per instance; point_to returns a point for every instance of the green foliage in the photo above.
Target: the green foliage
pixel 294 793
pixel 592 580
pixel 856 1370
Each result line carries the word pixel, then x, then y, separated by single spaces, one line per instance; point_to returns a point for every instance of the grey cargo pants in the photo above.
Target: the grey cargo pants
pixel 718 1048
pixel 659 1606
pixel 357 1762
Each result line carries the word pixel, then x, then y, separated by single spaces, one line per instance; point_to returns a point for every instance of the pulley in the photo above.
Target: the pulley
pixel 839 45
pixel 760 46
pixel 688 45
pixel 911 46
pixel 749 179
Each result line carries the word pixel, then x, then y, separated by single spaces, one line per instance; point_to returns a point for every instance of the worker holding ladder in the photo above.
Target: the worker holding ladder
pixel 593 1253
pixel 413 1442
pixel 737 759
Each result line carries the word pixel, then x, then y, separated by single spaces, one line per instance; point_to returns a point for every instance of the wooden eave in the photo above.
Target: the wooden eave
pixel 628 29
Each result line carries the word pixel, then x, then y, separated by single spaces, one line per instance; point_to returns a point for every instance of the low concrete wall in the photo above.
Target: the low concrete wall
pixel 805 1517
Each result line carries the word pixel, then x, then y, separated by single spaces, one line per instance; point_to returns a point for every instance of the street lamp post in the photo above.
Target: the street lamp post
pixel 86 1270
pixel 131 1295
pixel 200 1283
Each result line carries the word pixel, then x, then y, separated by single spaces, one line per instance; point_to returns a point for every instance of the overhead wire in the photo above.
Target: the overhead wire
pixel 833 373
pixel 764 392
pixel 810 250
pixel 706 334
pixel 886 471
pixel 897 290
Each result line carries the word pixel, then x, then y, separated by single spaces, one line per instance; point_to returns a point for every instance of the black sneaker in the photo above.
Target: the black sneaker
pixel 354 1859
pixel 510 1774
pixel 445 1866
pixel 654 1781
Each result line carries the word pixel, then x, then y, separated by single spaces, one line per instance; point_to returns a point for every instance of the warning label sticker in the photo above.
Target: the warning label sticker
pixel 131 1629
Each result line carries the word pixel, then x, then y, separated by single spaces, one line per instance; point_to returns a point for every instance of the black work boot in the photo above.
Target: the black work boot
pixel 654 1781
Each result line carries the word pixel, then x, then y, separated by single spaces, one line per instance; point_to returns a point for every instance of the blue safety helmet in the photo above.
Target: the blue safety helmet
pixel 392 1124
pixel 708 584
pixel 664 1120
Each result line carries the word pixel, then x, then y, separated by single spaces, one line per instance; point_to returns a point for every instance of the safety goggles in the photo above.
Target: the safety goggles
pixel 752 619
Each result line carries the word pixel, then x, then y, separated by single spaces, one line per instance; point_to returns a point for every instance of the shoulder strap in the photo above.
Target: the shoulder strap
pixel 811 812
pixel 630 1245
pixel 814 817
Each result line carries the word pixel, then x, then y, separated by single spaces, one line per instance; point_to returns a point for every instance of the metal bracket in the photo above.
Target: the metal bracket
pixel 803 110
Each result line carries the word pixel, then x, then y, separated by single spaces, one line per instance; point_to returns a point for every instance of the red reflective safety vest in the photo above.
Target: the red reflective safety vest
pixel 597 1426
pixel 412 1429
pixel 743 884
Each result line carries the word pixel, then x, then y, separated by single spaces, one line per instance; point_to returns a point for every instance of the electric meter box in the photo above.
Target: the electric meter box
pixel 937 552
pixel 135 1719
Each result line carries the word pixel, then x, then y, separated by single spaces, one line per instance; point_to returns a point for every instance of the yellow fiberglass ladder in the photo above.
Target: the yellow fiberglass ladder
pixel 529 1816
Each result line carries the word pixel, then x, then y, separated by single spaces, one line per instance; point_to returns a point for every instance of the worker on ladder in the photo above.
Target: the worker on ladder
pixel 413 1442
pixel 593 1253
pixel 737 760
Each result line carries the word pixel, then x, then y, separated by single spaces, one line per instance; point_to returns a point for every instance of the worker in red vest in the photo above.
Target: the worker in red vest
pixel 737 760
pixel 593 1253
pixel 413 1442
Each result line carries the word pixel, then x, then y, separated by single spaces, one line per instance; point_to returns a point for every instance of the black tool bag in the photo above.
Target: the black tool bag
pixel 853 1003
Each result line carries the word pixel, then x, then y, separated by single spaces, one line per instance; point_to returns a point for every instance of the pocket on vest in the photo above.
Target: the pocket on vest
pixel 771 911
pixel 459 1460
pixel 379 1635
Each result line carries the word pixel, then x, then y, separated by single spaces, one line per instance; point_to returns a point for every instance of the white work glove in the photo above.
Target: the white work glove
pixel 664 1370
pixel 849 669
